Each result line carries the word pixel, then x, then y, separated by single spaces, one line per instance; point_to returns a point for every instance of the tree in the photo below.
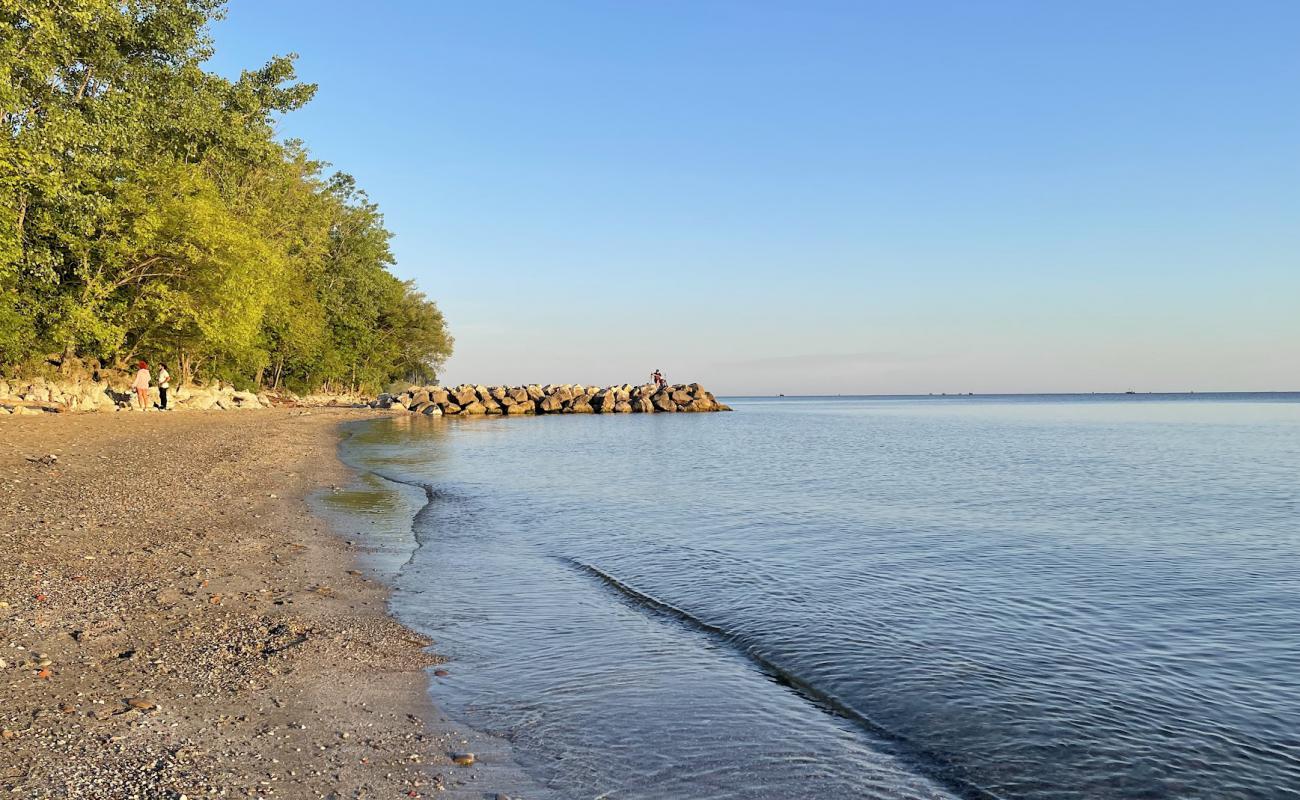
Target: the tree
pixel 146 206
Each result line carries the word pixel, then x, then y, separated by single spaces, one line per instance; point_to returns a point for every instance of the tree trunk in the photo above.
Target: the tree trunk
pixel 69 353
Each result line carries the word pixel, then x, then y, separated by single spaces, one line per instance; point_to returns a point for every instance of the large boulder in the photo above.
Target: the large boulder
pixel 663 402
pixel 519 408
pixel 464 396
pixel 580 405
pixel 642 405
pixel 200 400
pixel 474 407
pixel 550 404
pixel 246 400
pixel 431 410
pixel 622 407
pixel 605 401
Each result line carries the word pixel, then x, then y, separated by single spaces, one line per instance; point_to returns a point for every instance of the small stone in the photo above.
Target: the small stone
pixel 462 759
pixel 141 703
pixel 441 673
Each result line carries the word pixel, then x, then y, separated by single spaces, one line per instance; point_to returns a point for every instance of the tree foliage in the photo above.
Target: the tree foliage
pixel 147 208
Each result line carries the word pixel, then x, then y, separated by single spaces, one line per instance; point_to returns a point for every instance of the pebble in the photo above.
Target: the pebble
pixel 141 703
pixel 462 759
pixel 441 673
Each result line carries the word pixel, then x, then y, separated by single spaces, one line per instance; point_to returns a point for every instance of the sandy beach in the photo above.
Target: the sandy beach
pixel 174 621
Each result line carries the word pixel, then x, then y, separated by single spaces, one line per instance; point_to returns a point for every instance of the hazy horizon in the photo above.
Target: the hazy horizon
pixel 829 197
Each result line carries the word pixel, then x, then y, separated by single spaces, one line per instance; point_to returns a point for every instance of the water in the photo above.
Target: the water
pixel 1016 597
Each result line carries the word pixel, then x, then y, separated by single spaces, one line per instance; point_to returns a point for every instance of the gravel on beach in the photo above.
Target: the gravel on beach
pixel 174 622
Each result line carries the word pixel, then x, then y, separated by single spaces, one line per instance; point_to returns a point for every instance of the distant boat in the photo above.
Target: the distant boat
pixel 1130 391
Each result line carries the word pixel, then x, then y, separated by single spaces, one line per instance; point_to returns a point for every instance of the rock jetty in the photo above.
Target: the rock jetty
pixel 568 398
pixel 38 395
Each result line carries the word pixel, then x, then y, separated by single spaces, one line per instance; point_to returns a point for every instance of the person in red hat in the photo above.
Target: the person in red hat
pixel 141 385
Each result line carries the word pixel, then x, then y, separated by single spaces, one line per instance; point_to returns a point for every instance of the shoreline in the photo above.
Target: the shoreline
pixel 177 621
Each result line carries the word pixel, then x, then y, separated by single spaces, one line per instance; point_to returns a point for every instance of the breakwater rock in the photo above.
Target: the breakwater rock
pixel 568 398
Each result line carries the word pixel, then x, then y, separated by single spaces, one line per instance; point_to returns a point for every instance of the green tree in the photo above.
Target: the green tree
pixel 146 207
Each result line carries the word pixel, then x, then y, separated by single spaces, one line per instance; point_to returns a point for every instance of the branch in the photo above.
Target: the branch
pixel 81 90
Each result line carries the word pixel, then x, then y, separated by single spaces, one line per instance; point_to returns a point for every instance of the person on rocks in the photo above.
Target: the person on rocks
pixel 657 378
pixel 164 383
pixel 141 385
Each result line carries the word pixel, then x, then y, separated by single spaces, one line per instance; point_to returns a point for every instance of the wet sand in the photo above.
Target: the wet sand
pixel 174 621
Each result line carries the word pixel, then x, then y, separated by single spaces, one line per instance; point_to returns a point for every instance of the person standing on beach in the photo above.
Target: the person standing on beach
pixel 164 383
pixel 141 385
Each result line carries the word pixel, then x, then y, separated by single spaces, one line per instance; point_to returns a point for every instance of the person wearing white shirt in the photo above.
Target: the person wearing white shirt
pixel 164 383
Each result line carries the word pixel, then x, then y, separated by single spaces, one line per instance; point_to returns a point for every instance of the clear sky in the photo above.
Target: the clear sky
pixel 824 196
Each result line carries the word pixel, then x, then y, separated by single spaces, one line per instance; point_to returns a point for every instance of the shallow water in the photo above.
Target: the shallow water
pixel 1019 597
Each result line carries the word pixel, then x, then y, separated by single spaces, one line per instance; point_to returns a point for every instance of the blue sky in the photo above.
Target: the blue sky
pixel 824 196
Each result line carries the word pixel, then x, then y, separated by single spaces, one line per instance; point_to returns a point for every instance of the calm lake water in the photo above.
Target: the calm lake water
pixel 1013 597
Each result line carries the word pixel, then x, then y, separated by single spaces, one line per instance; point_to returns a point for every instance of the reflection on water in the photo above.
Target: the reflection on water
pixel 1013 597
pixel 378 513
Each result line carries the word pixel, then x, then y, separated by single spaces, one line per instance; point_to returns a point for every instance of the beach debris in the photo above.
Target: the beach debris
pixel 462 759
pixel 48 460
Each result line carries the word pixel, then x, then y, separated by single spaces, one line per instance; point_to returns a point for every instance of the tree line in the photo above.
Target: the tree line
pixel 148 209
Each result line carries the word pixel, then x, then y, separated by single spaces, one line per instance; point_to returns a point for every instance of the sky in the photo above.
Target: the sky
pixel 823 196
